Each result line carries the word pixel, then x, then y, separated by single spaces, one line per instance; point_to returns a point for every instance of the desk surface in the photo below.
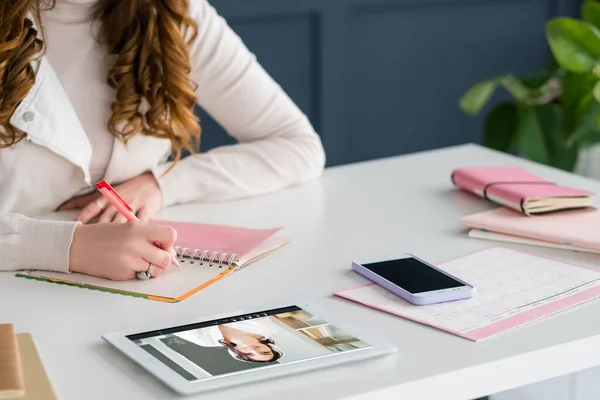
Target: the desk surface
pixel 370 210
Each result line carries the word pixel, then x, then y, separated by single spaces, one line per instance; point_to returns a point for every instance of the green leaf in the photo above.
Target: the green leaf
pixel 581 109
pixel 531 139
pixel 544 85
pixel 515 87
pixel 477 97
pixel 539 139
pixel 501 127
pixel 575 44
pixel 597 91
pixel 590 12
pixel 586 126
pixel 575 87
pixel 565 158
pixel 540 78
pixel 577 92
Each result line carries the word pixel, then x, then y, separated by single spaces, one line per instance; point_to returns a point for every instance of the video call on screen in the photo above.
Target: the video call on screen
pixel 246 342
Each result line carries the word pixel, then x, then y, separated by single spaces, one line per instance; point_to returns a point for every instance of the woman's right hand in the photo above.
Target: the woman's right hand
pixel 118 251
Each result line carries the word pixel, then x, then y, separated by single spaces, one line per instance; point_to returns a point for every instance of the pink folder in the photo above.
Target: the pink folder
pixel 518 189
pixel 578 228
pixel 499 305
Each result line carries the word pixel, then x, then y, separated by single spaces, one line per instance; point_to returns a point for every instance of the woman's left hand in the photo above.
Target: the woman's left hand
pixel 142 193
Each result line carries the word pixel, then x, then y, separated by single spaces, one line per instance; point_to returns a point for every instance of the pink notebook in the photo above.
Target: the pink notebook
pixel 578 228
pixel 222 249
pixel 222 244
pixel 518 189
pixel 513 289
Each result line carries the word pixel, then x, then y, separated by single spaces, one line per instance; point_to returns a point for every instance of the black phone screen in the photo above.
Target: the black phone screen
pixel 412 275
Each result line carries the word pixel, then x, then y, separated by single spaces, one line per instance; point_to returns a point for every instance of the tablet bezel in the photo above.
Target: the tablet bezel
pixel 180 385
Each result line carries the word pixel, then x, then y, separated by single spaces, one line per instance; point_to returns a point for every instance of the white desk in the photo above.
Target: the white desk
pixel 369 210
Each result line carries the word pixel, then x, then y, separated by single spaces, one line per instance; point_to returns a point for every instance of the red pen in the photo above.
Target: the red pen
pixel 125 209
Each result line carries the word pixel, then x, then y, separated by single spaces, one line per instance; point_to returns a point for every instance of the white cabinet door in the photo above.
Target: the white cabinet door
pixel 553 389
pixel 587 384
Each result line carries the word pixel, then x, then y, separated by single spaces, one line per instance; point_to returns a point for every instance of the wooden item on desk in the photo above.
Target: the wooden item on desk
pixel 22 374
pixel 12 385
pixel 37 383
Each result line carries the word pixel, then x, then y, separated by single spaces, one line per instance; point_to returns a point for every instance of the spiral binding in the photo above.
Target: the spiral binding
pixel 214 258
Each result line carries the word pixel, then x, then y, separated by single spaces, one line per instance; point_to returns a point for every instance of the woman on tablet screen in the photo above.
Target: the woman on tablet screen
pixel 106 89
pixel 247 341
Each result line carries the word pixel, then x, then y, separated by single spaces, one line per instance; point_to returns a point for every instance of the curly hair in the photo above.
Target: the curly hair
pixel 19 45
pixel 149 39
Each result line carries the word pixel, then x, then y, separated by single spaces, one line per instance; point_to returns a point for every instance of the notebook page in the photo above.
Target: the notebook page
pixel 501 237
pixel 220 238
pixel 263 249
pixel 173 283
pixel 513 288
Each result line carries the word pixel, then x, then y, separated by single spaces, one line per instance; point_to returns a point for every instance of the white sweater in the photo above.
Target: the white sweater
pixel 69 148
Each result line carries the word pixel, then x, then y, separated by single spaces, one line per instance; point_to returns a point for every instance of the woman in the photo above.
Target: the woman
pixel 105 89
pixel 247 341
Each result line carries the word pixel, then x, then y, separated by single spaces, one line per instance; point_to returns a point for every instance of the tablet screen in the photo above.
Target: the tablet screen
pixel 246 342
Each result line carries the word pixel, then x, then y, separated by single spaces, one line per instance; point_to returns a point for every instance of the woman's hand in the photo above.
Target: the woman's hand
pixel 119 251
pixel 142 193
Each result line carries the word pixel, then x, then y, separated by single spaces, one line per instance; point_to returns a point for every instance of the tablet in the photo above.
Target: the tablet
pixel 244 347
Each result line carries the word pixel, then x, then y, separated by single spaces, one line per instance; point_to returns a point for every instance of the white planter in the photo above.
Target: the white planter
pixel 588 163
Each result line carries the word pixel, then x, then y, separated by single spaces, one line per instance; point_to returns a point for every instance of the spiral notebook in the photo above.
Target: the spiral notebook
pixel 207 252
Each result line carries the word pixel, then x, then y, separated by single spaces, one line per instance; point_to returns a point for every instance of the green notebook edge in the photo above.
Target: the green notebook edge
pixel 82 286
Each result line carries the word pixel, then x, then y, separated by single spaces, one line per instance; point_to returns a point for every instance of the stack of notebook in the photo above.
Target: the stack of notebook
pixel 536 212
pixel 22 374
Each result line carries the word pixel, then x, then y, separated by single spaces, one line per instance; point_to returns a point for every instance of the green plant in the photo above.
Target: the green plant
pixel 555 112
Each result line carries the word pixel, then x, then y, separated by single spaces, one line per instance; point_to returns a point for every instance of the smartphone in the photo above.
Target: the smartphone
pixel 415 280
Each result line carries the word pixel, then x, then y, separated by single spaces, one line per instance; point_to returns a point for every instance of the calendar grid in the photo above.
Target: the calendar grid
pixel 513 288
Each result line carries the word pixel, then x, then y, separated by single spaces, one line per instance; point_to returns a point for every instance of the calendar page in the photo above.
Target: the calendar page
pixel 512 288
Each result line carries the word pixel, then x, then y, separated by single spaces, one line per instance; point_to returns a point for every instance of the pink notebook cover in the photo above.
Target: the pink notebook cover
pixel 493 328
pixel 575 227
pixel 509 186
pixel 219 238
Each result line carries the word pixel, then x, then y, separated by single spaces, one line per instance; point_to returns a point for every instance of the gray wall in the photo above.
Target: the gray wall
pixel 382 77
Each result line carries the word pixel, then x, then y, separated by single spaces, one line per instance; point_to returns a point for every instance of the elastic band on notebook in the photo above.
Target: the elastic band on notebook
pixel 486 187
pixel 522 207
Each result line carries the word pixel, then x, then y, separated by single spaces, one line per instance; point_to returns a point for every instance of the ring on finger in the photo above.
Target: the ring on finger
pixel 145 275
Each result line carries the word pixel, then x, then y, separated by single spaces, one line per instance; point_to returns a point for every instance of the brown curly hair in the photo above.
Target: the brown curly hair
pixel 150 41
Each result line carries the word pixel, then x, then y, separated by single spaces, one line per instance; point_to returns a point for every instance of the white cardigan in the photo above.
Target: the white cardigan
pixel 277 146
